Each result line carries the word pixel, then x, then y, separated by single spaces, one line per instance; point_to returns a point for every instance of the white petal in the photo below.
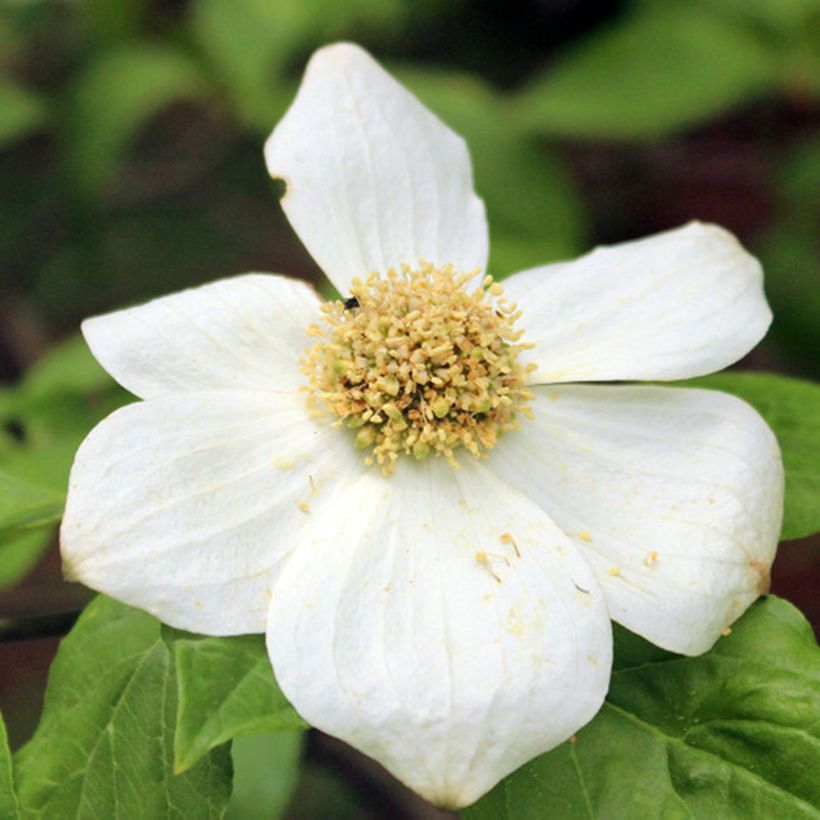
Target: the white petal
pixel 186 505
pixel 247 332
pixel 674 305
pixel 407 626
pixel 373 178
pixel 674 494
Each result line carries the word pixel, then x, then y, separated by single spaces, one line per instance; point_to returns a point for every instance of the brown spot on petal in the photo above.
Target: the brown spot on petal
pixel 763 577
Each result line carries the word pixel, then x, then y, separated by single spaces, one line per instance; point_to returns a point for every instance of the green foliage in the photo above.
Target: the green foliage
pixel 9 808
pixel 734 733
pixel 790 30
pixel 653 73
pixel 21 112
pixel 785 16
pixel 111 100
pixel 791 408
pixel 246 43
pixel 791 256
pixel 226 689
pixel 69 367
pixel 265 771
pixel 19 553
pixel 104 746
pixel 790 251
pixel 111 20
pixel 25 506
pixel 26 511
pixel 249 43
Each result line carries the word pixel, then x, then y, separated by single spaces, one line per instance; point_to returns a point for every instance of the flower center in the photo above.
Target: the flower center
pixel 418 365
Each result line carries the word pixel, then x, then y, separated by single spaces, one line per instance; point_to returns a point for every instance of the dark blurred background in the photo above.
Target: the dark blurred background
pixel 131 165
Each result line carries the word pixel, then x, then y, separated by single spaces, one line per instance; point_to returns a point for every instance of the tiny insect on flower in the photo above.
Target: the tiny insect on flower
pixel 425 494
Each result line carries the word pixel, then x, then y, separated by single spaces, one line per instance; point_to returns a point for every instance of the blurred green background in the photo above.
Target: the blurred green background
pixel 131 165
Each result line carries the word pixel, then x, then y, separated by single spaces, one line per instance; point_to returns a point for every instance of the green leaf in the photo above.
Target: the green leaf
pixel 633 650
pixel 649 75
pixel 778 16
pixel 114 19
pixel 790 252
pixel 68 367
pixel 113 98
pixel 798 177
pixel 20 552
pixel 25 506
pixel 249 44
pixel 226 689
pixel 734 733
pixel 791 408
pixel 534 211
pixel 32 495
pixel 265 771
pixel 21 112
pixel 9 808
pixel 104 746
pixel 63 395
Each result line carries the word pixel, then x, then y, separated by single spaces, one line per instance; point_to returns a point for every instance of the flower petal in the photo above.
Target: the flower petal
pixel 674 305
pixel 246 332
pixel 186 505
pixel 373 178
pixel 442 624
pixel 674 494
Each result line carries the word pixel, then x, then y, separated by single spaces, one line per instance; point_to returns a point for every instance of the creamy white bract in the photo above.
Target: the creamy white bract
pixel 448 615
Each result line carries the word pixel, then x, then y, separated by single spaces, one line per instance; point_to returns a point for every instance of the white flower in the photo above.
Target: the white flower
pixel 452 623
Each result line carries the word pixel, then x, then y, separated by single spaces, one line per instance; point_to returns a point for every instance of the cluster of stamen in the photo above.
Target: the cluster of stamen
pixel 417 364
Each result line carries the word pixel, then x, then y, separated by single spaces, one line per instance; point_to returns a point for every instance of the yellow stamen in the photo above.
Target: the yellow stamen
pixel 506 538
pixel 420 366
